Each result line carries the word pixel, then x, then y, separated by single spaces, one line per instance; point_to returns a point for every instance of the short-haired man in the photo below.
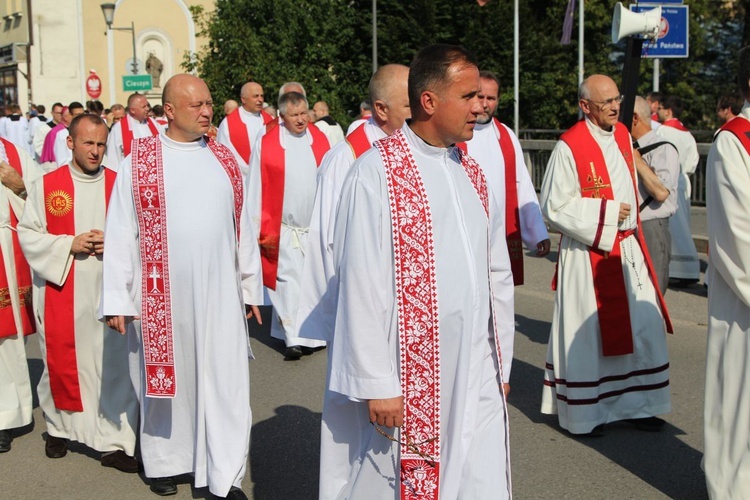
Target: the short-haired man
pixel 658 176
pixel 41 132
pixel 726 414
pixel 423 273
pixel 230 105
pixel 608 329
pixel 654 100
pixel 241 128
pixel 684 266
pixel 326 124
pixel 63 153
pixel 189 352
pixel 365 112
pixel 118 113
pixel 729 106
pixel 134 125
pixel 281 190
pixel 85 390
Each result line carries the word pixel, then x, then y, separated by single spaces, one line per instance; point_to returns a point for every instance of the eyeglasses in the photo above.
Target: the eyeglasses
pixel 411 445
pixel 607 105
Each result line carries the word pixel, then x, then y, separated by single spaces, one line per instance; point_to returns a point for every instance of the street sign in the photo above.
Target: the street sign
pixel 672 41
pixel 136 83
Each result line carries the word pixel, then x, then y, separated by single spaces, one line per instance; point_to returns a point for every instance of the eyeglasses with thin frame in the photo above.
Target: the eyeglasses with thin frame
pixel 607 105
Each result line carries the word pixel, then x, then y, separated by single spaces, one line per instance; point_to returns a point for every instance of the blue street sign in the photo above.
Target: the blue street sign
pixel 672 40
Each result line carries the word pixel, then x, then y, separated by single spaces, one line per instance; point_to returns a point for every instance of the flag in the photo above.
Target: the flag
pixel 568 24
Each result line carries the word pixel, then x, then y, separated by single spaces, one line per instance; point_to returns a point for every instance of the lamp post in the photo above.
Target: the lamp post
pixel 108 9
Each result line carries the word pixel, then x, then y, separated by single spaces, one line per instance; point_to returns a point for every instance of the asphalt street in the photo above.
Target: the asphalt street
pixel 547 462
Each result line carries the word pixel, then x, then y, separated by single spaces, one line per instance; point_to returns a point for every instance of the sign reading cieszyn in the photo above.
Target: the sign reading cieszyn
pixel 134 83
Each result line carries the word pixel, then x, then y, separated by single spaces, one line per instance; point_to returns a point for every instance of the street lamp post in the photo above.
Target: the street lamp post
pixel 108 9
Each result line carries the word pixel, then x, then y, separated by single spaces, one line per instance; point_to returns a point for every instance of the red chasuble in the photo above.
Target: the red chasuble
pixel 418 325
pixel 156 302
pixel 59 301
pixel 127 134
pixel 8 295
pixel 740 127
pixel 272 168
pixel 238 132
pixel 609 282
pixel 512 212
pixel 358 141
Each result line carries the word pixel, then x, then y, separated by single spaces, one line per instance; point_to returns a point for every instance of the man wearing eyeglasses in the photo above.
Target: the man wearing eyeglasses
pixel 607 353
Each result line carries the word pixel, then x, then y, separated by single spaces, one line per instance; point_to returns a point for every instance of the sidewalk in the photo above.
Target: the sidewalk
pixel 699 227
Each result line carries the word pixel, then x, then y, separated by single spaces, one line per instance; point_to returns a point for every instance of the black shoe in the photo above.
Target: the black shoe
pixel 682 282
pixel 235 494
pixel 293 353
pixel 120 461
pixel 5 440
pixel 163 486
pixel 597 431
pixel 648 424
pixel 56 447
pixel 310 350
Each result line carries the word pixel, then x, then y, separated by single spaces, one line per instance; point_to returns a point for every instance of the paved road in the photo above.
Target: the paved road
pixel 547 462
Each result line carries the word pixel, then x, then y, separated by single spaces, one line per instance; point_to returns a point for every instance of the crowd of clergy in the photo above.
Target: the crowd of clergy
pixel 426 199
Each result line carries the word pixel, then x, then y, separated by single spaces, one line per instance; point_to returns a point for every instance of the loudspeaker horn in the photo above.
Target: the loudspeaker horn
pixel 626 23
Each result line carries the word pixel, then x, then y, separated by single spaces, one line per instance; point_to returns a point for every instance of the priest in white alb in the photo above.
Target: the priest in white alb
pixel 180 298
pixel 424 278
pixel 316 313
pixel 135 124
pixel 607 354
pixel 726 413
pixel 84 390
pixel 281 190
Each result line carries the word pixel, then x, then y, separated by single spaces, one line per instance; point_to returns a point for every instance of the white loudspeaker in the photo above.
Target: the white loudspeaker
pixel 626 23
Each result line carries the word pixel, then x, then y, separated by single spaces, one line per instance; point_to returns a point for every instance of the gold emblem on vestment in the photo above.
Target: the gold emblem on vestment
pixel 59 203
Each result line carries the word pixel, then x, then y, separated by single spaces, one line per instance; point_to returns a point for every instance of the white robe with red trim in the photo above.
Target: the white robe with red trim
pixel 15 386
pixel 365 358
pixel 299 194
pixel 639 388
pixel 110 407
pixel 727 405
pixel 255 129
pixel 115 150
pixel 205 428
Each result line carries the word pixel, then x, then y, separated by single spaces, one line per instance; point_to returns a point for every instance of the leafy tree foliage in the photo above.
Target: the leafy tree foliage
pixel 327 44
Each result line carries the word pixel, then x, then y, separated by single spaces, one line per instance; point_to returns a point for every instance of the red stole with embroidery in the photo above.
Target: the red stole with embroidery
pixel 418 319
pixel 740 127
pixel 611 293
pixel 21 289
pixel 156 302
pixel 59 300
pixel 127 134
pixel 675 123
pixel 358 141
pixel 272 169
pixel 512 211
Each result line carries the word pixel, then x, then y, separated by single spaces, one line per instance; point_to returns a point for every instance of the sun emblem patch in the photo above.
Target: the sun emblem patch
pixel 59 203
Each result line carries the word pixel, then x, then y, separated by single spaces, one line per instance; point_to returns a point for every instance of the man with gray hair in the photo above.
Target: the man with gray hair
pixel 658 175
pixel 280 194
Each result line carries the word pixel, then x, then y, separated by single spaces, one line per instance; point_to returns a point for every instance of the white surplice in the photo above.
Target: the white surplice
pixel 17 132
pixel 317 310
pixel 110 407
pixel 684 263
pixel 205 428
pixel 63 154
pixel 115 150
pixel 638 383
pixel 15 386
pixel 255 128
pixel 300 171
pixel 365 358
pixel 727 399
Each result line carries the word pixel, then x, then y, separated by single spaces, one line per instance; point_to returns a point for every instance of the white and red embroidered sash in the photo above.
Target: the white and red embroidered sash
pixel 151 210
pixel 418 319
pixel 59 300
pixel 127 134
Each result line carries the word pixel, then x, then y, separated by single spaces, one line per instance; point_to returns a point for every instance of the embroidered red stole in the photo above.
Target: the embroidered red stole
pixel 127 134
pixel 156 302
pixel 609 281
pixel 741 129
pixel 675 123
pixel 358 141
pixel 512 211
pixel 20 291
pixel 272 168
pixel 59 301
pixel 418 319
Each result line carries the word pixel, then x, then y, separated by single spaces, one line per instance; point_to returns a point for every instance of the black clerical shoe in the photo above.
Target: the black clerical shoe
pixel 235 494
pixel 163 486
pixel 5 440
pixel 56 447
pixel 120 461
pixel 293 353
pixel 648 424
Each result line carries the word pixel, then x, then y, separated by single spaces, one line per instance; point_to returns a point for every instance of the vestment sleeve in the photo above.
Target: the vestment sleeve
pixel 502 290
pixel 533 228
pixel 252 277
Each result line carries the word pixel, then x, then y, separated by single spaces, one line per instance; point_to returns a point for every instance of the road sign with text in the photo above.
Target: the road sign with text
pixel 672 40
pixel 136 83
